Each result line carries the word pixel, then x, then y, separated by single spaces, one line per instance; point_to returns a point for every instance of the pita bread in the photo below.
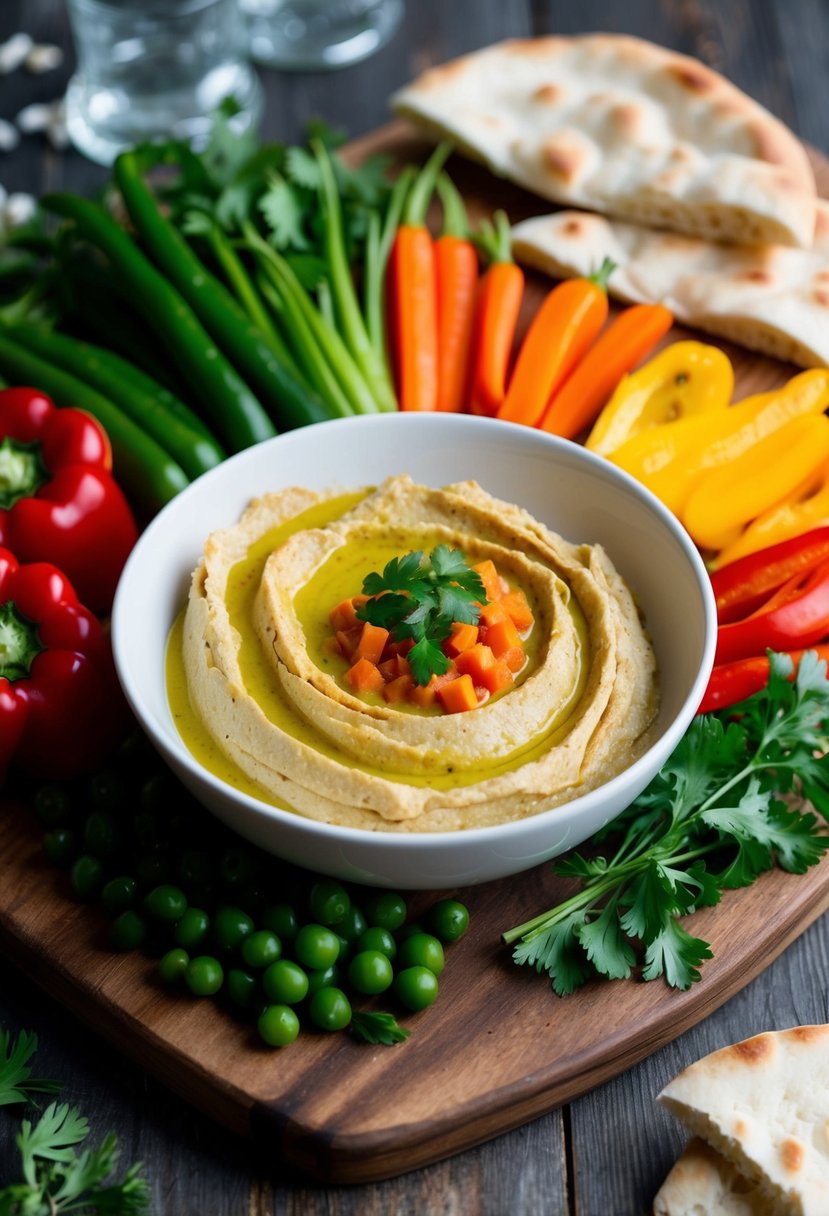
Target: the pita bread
pixel 766 297
pixel 764 1105
pixel 703 1183
pixel 618 125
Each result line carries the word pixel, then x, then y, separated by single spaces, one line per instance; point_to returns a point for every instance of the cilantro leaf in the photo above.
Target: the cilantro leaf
pixel 16 1081
pixel 376 1027
pixel 675 954
pixel 427 659
pixel 284 214
pixel 604 944
pixel 558 951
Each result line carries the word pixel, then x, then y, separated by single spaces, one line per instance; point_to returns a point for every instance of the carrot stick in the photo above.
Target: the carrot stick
pixel 625 341
pixel 498 303
pixel 456 266
pixel 413 289
pixel 565 326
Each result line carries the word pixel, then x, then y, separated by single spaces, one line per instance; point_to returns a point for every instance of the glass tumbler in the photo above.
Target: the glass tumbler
pixel 152 69
pixel 318 33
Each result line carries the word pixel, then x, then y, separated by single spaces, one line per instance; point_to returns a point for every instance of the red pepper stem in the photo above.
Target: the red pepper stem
pixel 19 643
pixel 22 471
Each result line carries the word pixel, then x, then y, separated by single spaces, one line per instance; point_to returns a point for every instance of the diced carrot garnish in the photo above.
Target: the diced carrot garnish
pixel 518 610
pixel 398 689
pixel 344 616
pixel 401 648
pixel 515 658
pixel 424 694
pixel 475 661
pixel 458 695
pixel 490 614
pixel 490 578
pixel 372 640
pixel 393 667
pixel 347 640
pixel 501 636
pixel 364 676
pixel 461 638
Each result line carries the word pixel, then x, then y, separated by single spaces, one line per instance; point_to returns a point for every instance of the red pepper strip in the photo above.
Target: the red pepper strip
pixel 797 615
pixel 58 500
pixel 733 682
pixel 745 584
pixel 61 710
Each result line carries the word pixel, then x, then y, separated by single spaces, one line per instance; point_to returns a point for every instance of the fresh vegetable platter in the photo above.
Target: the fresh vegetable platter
pixel 497 1049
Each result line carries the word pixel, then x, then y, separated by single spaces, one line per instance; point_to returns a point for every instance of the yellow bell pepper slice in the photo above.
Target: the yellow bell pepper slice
pixel 670 459
pixel 683 380
pixel 806 508
pixel 727 498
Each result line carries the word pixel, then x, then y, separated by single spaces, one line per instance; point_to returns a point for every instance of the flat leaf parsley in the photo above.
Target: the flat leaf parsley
pixel 712 819
pixel 420 599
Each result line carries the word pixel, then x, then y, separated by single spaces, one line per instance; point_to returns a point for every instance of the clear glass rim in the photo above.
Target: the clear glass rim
pixel 142 8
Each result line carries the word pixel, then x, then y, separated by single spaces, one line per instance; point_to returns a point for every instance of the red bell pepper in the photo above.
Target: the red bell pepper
pixel 58 499
pixel 61 710
pixel 795 616
pixel 733 682
pixel 745 585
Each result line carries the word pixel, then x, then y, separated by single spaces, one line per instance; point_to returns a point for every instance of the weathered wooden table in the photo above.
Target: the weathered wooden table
pixel 606 1153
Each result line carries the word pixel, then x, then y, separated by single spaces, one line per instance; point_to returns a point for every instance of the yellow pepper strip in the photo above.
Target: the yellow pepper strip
pixel 670 459
pixel 727 498
pixel 806 508
pixel 683 380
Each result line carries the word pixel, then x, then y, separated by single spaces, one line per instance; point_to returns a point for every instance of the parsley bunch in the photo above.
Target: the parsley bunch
pixel 420 599
pixel 57 1178
pixel 713 819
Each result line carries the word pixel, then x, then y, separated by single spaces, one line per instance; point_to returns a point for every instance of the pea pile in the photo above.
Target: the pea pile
pixel 278 946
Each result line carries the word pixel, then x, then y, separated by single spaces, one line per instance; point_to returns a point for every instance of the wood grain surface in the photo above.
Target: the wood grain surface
pixel 605 1153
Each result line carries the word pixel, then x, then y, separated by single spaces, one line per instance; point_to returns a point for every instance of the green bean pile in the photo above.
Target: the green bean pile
pixel 276 945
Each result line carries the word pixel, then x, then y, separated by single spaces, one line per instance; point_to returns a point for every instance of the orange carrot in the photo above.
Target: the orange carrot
pixel 456 269
pixel 458 695
pixel 564 328
pixel 623 344
pixel 497 305
pixel 364 677
pixel 413 295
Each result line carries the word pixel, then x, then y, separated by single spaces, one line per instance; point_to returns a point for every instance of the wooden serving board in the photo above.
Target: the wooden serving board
pixel 497 1049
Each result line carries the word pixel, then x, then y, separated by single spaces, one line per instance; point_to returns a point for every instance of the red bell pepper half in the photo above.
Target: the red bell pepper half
pixel 733 682
pixel 58 499
pixel 795 616
pixel 745 585
pixel 61 710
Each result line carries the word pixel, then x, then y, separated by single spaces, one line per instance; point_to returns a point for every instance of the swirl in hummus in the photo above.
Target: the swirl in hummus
pixel 259 678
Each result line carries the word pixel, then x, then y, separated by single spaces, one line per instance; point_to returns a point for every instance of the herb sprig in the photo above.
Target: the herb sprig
pixel 420 599
pixel 713 819
pixel 56 1176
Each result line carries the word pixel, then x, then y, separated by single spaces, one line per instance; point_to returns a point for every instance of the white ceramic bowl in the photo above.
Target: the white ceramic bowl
pixel 578 494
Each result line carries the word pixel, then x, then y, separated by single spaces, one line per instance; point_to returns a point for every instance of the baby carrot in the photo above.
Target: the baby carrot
pixel 498 303
pixel 413 292
pixel 456 266
pixel 565 326
pixel 626 340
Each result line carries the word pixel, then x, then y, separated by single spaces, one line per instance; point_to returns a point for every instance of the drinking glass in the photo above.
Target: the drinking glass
pixel 318 33
pixel 156 69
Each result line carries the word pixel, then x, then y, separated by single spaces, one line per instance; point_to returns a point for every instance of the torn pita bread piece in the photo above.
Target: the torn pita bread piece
pixel 703 1183
pixel 622 126
pixel 764 1105
pixel 769 298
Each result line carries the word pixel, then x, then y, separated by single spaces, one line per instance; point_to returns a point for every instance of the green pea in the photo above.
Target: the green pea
pixel 421 950
pixel 448 920
pixel 100 834
pixel 192 927
pixel 239 867
pixel 278 1025
pixel 261 949
pixel 377 938
pixel 86 876
pixel 285 983
pixel 330 1009
pixel 204 975
pixel 386 909
pixel 416 987
pixel 128 931
pixel 119 893
pixel 231 925
pixel 281 919
pixel 353 924
pixel 107 790
pixel 316 947
pixel 173 964
pixel 60 846
pixel 166 902
pixel 241 987
pixel 370 971
pixel 52 805
pixel 329 902
pixel 329 977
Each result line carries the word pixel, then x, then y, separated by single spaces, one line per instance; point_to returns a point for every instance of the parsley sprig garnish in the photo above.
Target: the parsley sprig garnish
pixel 57 1176
pixel 713 819
pixel 420 599
pixel 373 1026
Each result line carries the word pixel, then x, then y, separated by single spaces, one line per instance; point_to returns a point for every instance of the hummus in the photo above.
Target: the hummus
pixel 266 689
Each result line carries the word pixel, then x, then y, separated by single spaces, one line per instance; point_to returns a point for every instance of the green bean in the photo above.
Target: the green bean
pixel 238 417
